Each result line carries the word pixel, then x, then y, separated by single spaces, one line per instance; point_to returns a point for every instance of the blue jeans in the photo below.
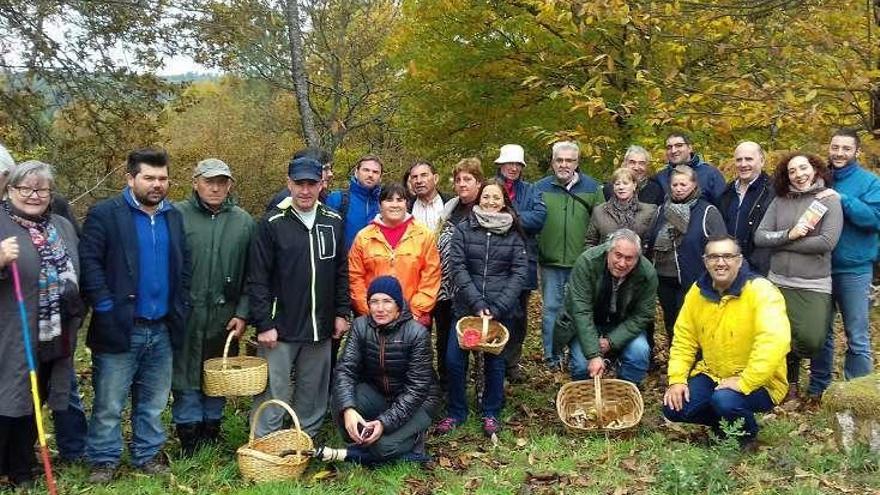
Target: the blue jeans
pixel 553 280
pixel 850 293
pixel 70 425
pixel 145 372
pixel 708 406
pixel 192 406
pixel 457 366
pixel 632 360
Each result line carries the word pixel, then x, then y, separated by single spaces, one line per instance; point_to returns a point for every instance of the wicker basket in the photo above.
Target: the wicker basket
pixel 599 405
pixel 234 376
pixel 259 460
pixel 495 334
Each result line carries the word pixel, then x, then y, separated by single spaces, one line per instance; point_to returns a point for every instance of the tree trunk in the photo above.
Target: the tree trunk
pixel 298 74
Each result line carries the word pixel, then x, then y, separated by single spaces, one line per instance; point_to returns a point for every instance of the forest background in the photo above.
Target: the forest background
pixel 433 79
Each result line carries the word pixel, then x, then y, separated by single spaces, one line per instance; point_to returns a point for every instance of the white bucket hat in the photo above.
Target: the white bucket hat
pixel 512 153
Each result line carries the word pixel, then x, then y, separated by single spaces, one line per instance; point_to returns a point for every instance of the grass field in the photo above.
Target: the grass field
pixel 535 455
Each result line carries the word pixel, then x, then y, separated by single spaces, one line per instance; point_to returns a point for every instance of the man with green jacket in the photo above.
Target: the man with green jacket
pixel 570 197
pixel 609 302
pixel 218 234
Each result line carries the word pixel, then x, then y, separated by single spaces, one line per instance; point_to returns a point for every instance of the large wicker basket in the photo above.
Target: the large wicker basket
pixel 494 334
pixel 599 405
pixel 259 460
pixel 234 376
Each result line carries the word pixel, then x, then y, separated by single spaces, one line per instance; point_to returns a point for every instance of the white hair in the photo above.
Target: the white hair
pixel 635 149
pixel 7 163
pixel 625 235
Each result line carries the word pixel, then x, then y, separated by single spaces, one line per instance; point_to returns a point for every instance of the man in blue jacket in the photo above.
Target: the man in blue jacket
pixel 851 261
pixel 680 152
pixel 360 203
pixel 531 211
pixel 135 274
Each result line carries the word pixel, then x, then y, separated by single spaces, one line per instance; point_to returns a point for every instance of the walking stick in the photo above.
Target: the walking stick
pixel 32 371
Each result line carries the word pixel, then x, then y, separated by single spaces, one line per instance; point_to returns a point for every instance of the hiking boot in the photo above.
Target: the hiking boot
pixel 153 467
pixel 102 473
pixel 491 426
pixel 189 435
pixel 211 431
pixel 446 425
pixel 515 375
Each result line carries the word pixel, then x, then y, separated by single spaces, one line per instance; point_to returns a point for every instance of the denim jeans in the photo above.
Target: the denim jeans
pixel 71 426
pixel 632 360
pixel 457 367
pixel 553 280
pixel 192 406
pixel 145 373
pixel 850 293
pixel 708 406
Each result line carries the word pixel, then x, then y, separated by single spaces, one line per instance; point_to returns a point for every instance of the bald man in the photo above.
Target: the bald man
pixel 744 201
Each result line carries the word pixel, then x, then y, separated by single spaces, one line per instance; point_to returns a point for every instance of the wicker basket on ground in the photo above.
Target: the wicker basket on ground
pixel 599 405
pixel 493 334
pixel 234 376
pixel 260 459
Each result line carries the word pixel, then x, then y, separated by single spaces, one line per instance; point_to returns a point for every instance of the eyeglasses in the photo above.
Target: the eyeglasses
pixel 381 302
pixel 26 192
pixel 716 257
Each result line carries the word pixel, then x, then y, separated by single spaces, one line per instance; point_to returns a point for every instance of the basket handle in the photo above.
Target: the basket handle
pixel 597 391
pixel 287 408
pixel 485 326
pixel 226 348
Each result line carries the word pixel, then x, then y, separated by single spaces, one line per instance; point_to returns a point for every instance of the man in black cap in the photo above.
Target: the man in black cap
pixel 300 242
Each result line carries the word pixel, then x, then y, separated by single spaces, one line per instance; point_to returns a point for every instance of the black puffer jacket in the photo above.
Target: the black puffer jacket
pixel 397 360
pixel 489 270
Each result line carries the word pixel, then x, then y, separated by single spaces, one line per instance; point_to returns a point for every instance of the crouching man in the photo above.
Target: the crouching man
pixel 609 302
pixel 737 320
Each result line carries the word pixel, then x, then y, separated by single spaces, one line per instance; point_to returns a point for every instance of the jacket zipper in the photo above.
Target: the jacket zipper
pixel 312 285
pixel 382 365
pixel 486 262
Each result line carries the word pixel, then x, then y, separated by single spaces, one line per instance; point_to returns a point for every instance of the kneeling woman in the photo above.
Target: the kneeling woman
pixel 385 394
pixel 489 267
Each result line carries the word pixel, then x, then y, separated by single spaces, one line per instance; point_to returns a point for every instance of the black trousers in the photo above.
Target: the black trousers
pixel 512 352
pixel 671 295
pixel 442 326
pixel 17 438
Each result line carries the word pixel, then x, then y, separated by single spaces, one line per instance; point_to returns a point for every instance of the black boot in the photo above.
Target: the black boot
pixel 189 434
pixel 211 431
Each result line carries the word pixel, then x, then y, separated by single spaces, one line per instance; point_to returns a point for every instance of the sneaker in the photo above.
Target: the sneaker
pixel 446 425
pixel 102 473
pixel 153 467
pixel 491 426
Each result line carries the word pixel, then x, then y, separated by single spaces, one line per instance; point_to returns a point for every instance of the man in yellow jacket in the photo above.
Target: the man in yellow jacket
pixel 738 321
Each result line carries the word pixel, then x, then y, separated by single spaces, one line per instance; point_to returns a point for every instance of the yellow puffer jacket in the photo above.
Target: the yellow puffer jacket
pixel 745 333
pixel 415 262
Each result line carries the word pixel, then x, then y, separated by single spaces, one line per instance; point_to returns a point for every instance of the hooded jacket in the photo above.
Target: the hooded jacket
pixel 298 277
pixel 396 360
pixel 744 332
pixel 219 243
pixel 415 262
pixel 362 206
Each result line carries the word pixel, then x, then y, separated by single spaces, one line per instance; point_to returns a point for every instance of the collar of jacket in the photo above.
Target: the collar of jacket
pixel 757 184
pixel 401 319
pixel 128 195
pixel 196 200
pixel 708 291
pixel 845 171
pixel 695 162
pixel 356 188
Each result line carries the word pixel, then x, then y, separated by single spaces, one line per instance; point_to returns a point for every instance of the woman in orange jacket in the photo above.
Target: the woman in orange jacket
pixel 392 244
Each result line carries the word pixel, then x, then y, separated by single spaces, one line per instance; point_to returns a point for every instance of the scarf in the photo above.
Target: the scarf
pixel 510 187
pixel 817 186
pixel 496 223
pixel 622 212
pixel 676 216
pixel 56 269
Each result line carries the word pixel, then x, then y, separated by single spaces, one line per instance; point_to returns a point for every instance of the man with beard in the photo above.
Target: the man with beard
pixel 136 273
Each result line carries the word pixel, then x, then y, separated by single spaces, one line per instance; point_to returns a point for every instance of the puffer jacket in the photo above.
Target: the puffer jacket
pixel 602 224
pixel 415 262
pixel 810 256
pixel 743 333
pixel 490 270
pixel 396 360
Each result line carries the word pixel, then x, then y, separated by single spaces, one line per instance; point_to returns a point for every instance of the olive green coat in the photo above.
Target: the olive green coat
pixel 219 244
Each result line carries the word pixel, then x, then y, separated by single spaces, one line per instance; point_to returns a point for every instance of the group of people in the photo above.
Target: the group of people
pixel 748 273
